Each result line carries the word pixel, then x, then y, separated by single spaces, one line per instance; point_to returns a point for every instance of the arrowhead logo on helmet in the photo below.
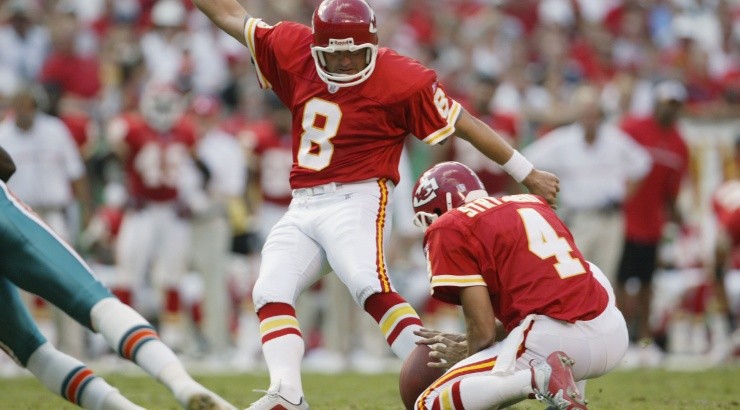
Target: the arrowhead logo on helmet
pixel 425 191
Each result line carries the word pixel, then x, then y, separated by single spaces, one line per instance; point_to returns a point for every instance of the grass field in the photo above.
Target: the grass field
pixel 638 389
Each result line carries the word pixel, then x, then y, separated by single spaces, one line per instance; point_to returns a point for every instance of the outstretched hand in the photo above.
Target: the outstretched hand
pixel 447 348
pixel 544 184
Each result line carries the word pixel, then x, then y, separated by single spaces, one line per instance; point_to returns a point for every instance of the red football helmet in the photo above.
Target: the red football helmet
pixel 443 187
pixel 344 25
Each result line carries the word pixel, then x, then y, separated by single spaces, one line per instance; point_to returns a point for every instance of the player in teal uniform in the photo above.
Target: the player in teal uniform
pixel 33 258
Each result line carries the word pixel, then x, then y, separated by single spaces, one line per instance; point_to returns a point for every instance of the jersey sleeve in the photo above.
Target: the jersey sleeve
pixel 272 47
pixel 430 114
pixel 451 262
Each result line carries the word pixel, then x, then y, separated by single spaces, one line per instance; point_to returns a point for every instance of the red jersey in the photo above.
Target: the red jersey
pixel 518 248
pixel 154 159
pixel 646 209
pixel 726 204
pixel 356 133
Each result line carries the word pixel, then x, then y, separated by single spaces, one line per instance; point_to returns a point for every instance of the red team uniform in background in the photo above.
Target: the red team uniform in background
pixel 155 233
pixel 645 209
pixel 154 158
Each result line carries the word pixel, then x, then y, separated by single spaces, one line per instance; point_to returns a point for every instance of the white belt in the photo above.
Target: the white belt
pixel 316 190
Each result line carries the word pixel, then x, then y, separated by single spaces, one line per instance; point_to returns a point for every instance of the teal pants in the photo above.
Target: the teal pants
pixel 34 259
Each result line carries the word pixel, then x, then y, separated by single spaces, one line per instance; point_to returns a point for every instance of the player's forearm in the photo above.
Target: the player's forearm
pixel 483 138
pixel 228 15
pixel 480 319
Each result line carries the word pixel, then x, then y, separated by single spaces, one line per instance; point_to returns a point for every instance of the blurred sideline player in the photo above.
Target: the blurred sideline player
pixel 152 247
pixel 353 104
pixel 219 180
pixel 512 259
pixel 35 259
pixel 726 204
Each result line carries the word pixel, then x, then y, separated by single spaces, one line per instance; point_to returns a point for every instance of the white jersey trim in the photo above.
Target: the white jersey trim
pixel 249 29
pixel 441 134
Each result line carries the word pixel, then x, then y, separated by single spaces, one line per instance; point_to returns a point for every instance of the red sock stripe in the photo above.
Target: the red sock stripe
pixel 75 382
pixel 123 294
pixel 172 300
pixel 281 326
pixel 376 305
pixel 134 340
pixel 275 309
pixel 456 398
pixel 279 333
pixel 403 324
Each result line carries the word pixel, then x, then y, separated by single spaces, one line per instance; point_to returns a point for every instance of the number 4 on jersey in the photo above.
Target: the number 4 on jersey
pixel 545 243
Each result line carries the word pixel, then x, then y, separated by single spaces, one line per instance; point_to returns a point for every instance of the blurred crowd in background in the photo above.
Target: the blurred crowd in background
pixel 526 67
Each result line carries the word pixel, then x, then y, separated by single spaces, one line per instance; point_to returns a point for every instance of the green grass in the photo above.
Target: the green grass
pixel 639 389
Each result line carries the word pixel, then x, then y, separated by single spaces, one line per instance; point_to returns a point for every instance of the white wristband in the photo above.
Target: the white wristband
pixel 518 167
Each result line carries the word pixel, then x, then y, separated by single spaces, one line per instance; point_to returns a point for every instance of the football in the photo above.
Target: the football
pixel 416 376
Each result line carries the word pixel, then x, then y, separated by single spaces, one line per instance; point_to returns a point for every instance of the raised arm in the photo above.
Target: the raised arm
pixel 228 15
pixel 487 141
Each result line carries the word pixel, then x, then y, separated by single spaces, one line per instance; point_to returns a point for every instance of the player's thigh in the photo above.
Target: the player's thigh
pixel 291 262
pixel 19 335
pixel 597 345
pixel 354 234
pixel 35 259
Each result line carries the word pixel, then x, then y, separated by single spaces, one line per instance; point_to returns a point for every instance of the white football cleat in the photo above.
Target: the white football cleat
pixel 272 400
pixel 553 384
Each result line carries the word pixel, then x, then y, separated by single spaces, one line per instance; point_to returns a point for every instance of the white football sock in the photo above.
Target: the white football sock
pixel 484 391
pixel 283 356
pixel 73 381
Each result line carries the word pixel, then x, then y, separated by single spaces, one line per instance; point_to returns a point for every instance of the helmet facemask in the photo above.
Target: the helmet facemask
pixel 347 44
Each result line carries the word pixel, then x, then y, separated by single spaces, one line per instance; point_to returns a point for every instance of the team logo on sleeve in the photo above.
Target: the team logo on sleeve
pixel 425 192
